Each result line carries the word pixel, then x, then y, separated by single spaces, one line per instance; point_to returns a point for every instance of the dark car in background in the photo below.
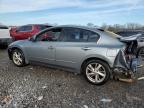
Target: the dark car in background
pixel 126 33
pixel 132 33
pixel 26 31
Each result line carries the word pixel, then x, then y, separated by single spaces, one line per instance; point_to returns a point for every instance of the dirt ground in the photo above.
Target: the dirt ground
pixel 41 87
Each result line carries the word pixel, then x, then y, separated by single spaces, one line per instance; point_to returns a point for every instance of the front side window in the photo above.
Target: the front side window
pixel 49 35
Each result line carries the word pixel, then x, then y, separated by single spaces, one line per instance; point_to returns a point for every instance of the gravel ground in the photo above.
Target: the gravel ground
pixel 42 87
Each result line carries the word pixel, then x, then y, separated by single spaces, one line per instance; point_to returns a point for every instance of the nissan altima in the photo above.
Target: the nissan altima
pixel 95 53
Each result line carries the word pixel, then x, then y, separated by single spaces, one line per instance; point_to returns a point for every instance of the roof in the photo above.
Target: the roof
pixel 82 27
pixel 37 24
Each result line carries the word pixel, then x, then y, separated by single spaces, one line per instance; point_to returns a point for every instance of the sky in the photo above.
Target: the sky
pixel 80 12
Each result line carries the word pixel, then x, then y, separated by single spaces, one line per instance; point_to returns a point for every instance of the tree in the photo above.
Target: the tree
pixel 90 25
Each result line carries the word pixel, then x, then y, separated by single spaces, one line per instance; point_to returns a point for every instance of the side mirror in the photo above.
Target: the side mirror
pixel 32 39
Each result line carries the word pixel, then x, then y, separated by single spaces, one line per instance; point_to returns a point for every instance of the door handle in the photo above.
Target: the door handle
pixel 51 47
pixel 86 48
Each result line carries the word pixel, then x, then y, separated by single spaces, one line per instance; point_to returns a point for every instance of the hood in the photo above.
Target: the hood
pixel 130 38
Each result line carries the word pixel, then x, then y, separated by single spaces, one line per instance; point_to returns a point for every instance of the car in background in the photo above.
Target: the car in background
pixel 5 38
pixel 95 53
pixel 26 31
pixel 126 33
pixel 132 33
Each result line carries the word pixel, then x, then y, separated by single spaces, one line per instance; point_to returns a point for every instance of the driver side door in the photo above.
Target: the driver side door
pixel 42 49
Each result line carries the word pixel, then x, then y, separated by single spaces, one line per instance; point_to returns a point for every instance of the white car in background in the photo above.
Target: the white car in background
pixel 5 38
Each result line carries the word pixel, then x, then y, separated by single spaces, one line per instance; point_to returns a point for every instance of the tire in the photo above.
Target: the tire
pixel 19 59
pixel 99 76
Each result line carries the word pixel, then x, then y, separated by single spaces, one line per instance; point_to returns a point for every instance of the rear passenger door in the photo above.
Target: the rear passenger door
pixel 73 46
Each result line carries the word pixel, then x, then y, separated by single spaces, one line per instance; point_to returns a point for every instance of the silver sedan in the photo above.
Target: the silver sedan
pixel 93 52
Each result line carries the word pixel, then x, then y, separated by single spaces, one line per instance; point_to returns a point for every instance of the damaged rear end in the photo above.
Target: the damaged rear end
pixel 127 63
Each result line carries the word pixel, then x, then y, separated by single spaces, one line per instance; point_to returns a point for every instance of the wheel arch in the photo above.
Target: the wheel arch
pixel 94 58
pixel 10 50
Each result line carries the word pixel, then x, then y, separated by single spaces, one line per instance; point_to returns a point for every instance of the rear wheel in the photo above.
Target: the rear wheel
pixel 97 72
pixel 18 58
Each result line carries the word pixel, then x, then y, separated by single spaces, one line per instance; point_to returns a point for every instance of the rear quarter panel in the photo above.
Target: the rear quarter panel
pixel 106 49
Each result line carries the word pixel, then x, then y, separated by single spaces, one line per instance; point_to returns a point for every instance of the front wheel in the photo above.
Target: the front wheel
pixel 18 58
pixel 97 72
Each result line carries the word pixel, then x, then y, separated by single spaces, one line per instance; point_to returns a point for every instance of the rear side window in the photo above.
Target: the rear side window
pixel 72 35
pixel 91 36
pixel 78 35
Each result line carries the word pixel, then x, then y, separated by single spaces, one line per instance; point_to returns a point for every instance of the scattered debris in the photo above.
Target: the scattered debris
pixel 87 91
pixel 59 84
pixel 40 98
pixel 141 78
pixel 136 98
pixel 6 100
pixel 22 95
pixel 85 106
pixel 126 80
pixel 106 100
pixel 25 79
pixel 44 87
pixel 131 98
pixel 31 68
pixel 35 106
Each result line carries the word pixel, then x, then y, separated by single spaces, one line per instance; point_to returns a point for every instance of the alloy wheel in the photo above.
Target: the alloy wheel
pixel 95 72
pixel 17 58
